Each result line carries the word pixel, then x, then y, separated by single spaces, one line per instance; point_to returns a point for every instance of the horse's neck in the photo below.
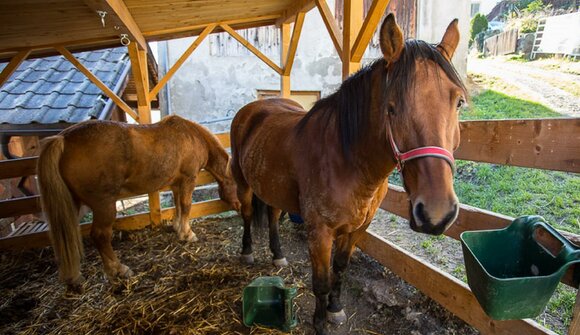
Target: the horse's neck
pixel 217 158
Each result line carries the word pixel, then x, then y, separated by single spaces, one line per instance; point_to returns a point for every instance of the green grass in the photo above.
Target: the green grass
pixel 562 303
pixel 495 105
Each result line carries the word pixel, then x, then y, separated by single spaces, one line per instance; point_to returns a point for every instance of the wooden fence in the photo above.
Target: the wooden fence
pixel 501 44
pixel 552 144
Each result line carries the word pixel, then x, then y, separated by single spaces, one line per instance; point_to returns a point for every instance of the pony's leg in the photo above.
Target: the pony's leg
pixel 185 191
pixel 177 216
pixel 101 234
pixel 342 253
pixel 245 196
pixel 320 249
pixel 278 258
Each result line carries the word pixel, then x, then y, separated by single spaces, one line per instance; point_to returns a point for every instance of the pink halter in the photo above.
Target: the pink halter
pixel 430 151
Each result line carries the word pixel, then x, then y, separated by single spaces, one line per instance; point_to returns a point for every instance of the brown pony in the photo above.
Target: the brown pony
pixel 330 165
pixel 95 163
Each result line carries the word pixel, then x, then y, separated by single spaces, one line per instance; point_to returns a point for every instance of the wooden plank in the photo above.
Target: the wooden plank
pixel 289 61
pixel 200 209
pixel 252 48
pixel 290 13
pixel 37 239
pixel 97 82
pixel 575 324
pixel 552 144
pixel 119 14
pixel 469 218
pixel 224 139
pixel 181 60
pixel 155 208
pixel 13 65
pixel 20 206
pixel 284 47
pixel 445 289
pixel 368 28
pixel 353 12
pixel 141 78
pixel 20 167
pixel 331 25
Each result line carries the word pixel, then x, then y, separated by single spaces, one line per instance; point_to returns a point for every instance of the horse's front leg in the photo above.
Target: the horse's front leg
pixel 278 258
pixel 184 191
pixel 101 235
pixel 320 248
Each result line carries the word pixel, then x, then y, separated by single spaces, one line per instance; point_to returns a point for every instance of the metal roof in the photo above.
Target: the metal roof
pixel 51 90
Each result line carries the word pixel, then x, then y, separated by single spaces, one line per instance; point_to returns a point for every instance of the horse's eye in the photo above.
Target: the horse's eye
pixel 460 103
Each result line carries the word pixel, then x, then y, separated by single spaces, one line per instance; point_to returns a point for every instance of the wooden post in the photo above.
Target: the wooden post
pixel 575 324
pixel 13 65
pixel 353 13
pixel 141 76
pixel 284 47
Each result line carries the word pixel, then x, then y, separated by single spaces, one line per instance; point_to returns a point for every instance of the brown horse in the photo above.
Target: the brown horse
pixel 330 165
pixel 95 163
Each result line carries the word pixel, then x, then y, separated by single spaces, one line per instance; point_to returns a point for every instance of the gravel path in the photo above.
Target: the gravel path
pixel 537 82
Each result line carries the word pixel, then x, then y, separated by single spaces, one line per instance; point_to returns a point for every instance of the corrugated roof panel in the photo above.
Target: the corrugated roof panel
pixel 52 90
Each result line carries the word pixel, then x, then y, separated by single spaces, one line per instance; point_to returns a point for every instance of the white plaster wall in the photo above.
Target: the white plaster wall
pixel 210 87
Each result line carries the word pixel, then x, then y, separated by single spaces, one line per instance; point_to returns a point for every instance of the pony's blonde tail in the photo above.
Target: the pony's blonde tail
pixel 60 210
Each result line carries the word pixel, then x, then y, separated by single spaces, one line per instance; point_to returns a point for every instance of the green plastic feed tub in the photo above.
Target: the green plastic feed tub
pixel 510 273
pixel 268 303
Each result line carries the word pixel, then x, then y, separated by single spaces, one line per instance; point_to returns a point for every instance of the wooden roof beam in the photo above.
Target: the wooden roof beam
pixel 13 65
pixel 368 28
pixel 181 60
pixel 97 82
pixel 118 12
pixel 289 61
pixel 252 48
pixel 289 15
pixel 331 25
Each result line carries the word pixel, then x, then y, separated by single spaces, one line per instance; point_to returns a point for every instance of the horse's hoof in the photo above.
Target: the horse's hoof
pixel 336 318
pixel 280 263
pixel 247 259
pixel 75 286
pixel 125 271
pixel 189 237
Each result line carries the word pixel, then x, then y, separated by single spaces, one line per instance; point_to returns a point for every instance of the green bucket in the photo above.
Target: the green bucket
pixel 510 273
pixel 268 303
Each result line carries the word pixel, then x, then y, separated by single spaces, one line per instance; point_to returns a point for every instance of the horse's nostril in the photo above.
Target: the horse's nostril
pixel 421 216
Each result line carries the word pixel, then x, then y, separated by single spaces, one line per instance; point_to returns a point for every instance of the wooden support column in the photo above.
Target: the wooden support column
pixel 368 29
pixel 353 13
pixel 13 65
pixel 284 46
pixel 141 76
pixel 575 324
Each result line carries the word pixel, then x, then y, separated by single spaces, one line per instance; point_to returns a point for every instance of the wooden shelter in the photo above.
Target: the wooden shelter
pixel 36 28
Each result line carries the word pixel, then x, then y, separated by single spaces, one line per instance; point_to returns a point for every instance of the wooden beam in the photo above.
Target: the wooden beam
pixel 13 65
pixel 298 6
pixel 16 168
pixel 289 61
pixel 552 144
pixel 575 324
pixel 141 78
pixel 445 289
pixel 285 37
pixel 367 31
pixel 20 206
pixel 119 14
pixel 469 218
pixel 224 139
pixel 331 25
pixel 97 82
pixel 353 12
pixel 252 48
pixel 181 60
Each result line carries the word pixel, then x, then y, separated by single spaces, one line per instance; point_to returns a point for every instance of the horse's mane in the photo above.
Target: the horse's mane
pixel 350 105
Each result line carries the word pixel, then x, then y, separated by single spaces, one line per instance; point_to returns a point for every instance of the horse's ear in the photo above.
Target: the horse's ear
pixel 391 39
pixel 450 40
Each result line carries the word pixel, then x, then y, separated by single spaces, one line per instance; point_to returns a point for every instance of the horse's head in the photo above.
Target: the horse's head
pixel 227 189
pixel 424 95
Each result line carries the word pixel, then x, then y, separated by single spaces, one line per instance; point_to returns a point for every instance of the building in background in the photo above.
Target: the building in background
pixel 221 76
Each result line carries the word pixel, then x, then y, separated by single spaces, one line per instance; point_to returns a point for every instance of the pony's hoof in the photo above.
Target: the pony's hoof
pixel 75 286
pixel 189 237
pixel 336 318
pixel 280 263
pixel 247 259
pixel 125 271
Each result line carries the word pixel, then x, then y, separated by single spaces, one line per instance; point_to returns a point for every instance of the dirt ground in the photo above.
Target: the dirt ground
pixel 555 89
pixel 196 288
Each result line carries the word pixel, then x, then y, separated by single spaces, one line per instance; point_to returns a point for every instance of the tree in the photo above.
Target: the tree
pixel 478 24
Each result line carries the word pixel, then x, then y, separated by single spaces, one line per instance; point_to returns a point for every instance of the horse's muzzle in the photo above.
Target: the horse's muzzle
pixel 421 221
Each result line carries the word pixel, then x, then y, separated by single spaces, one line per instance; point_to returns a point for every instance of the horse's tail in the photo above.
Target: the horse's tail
pixel 260 213
pixel 60 209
